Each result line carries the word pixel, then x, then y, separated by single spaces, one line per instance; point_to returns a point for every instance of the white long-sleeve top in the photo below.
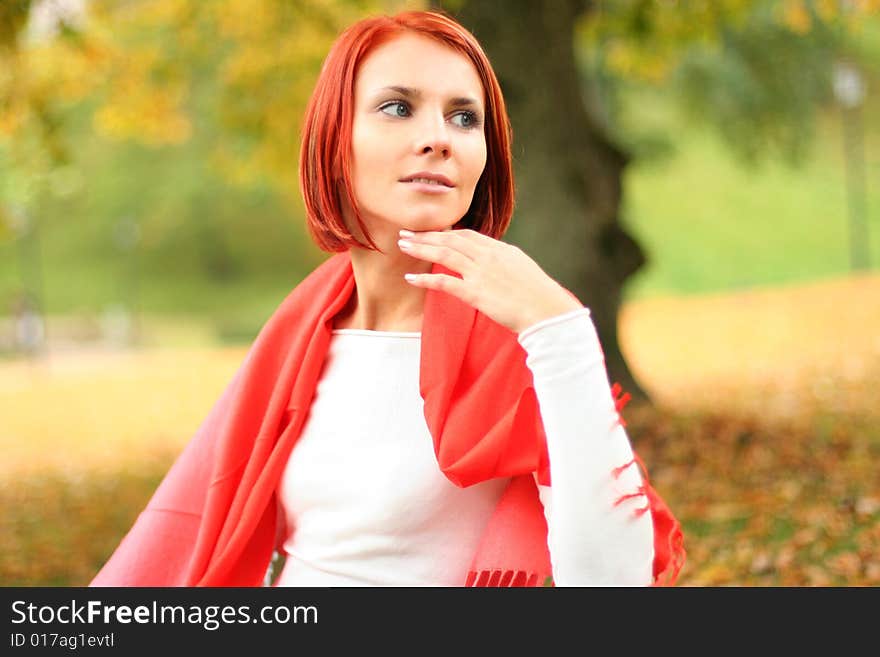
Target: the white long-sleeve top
pixel 364 502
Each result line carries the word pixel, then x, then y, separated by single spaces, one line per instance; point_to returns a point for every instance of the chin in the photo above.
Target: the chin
pixel 424 223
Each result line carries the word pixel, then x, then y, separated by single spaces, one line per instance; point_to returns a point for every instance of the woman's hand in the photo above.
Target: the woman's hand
pixel 497 278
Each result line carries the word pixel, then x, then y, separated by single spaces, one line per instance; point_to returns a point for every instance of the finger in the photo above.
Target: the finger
pixel 444 255
pixel 465 241
pixel 442 282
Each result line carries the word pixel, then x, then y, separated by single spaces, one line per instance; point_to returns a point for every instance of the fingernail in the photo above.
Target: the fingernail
pixel 407 233
pixel 404 244
pixel 410 277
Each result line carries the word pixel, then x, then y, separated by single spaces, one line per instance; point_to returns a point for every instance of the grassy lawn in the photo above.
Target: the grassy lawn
pixel 710 223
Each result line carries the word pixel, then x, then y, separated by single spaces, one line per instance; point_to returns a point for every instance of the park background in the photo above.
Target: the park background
pixel 150 222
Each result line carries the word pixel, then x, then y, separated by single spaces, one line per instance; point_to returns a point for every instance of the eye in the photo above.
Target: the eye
pixel 397 108
pixel 467 119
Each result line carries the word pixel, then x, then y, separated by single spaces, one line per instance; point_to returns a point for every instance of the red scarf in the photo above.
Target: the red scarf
pixel 212 520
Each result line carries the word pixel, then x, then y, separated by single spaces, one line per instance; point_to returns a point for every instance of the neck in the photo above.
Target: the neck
pixel 382 300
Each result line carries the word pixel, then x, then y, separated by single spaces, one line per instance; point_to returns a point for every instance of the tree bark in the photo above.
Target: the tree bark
pixel 568 172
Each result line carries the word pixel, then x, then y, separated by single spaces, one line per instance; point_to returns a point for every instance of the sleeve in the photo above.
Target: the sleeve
pixel 598 531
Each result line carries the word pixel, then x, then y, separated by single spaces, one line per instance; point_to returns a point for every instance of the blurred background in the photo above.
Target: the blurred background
pixel 704 175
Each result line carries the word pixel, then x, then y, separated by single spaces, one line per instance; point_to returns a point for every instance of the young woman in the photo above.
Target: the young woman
pixel 428 407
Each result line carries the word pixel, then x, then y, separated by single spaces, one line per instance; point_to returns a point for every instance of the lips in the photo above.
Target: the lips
pixel 428 178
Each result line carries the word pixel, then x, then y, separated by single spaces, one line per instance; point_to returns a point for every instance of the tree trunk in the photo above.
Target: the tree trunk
pixel 568 173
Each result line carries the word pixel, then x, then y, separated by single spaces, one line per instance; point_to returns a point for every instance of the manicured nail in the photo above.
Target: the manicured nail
pixel 407 233
pixel 410 277
pixel 404 244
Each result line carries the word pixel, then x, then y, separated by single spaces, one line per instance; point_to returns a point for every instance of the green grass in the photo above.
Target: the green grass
pixel 711 223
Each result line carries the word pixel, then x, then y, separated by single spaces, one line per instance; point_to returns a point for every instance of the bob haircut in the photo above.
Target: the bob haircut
pixel 327 129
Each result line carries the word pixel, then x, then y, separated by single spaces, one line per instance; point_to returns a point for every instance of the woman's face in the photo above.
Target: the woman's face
pixel 419 109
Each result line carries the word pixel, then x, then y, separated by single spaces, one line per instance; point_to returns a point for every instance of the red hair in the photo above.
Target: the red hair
pixel 327 128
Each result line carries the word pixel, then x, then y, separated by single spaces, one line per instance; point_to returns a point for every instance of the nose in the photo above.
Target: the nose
pixel 433 135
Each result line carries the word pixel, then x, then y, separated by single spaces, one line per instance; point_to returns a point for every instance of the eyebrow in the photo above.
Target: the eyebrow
pixel 409 92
